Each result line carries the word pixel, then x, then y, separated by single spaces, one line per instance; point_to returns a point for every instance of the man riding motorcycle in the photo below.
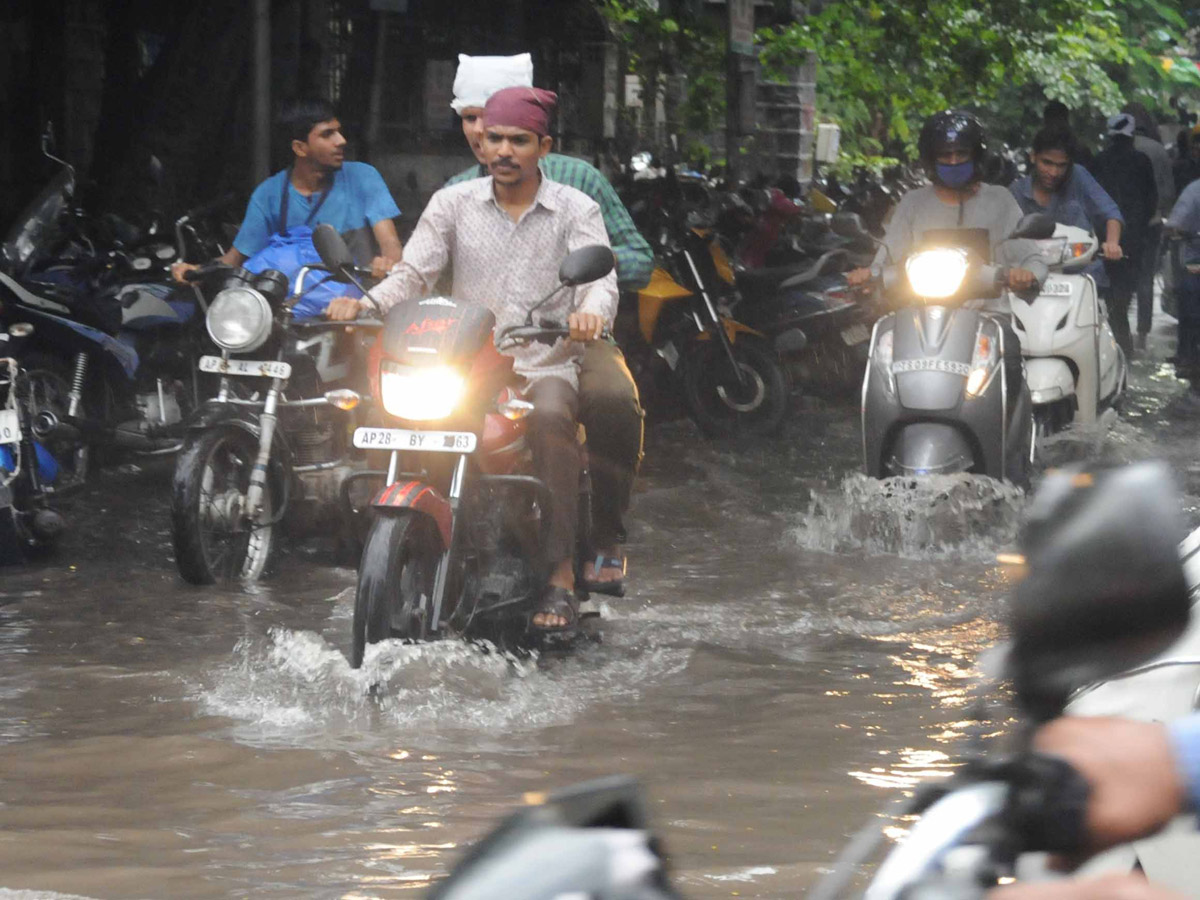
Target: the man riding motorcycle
pixel 503 237
pixel 318 187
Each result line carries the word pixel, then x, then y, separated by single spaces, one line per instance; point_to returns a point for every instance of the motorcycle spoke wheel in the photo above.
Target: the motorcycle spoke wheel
pixel 44 386
pixel 214 541
pixel 721 405
pixel 394 599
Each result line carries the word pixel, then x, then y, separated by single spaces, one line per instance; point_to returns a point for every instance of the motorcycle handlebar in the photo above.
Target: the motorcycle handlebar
pixel 205 209
pixel 202 272
pixel 546 333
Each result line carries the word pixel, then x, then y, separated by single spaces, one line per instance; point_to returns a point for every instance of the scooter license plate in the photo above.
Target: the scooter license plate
pixel 269 368
pixel 10 426
pixel 856 334
pixel 403 439
pixel 1056 289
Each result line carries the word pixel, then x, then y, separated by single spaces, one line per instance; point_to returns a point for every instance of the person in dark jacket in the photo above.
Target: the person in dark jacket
pixel 1127 175
pixel 1148 139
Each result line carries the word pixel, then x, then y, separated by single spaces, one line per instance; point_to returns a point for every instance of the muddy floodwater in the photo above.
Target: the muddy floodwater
pixel 798 647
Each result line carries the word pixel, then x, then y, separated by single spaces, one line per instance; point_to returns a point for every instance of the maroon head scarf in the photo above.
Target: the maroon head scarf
pixel 521 107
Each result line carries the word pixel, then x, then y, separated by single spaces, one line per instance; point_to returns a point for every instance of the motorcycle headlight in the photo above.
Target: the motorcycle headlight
pixel 420 393
pixel 936 273
pixel 239 320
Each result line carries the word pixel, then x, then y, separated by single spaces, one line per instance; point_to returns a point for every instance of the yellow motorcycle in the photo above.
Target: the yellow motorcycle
pixel 730 375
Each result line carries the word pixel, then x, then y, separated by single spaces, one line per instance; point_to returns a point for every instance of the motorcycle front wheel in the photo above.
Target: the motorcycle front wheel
pixel 719 404
pixel 394 598
pixel 212 540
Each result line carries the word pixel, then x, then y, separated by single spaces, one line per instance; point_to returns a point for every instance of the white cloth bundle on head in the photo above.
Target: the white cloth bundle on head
pixel 479 77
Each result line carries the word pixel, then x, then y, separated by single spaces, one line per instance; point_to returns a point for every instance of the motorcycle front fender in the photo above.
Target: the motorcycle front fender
pixel 213 415
pixel 421 499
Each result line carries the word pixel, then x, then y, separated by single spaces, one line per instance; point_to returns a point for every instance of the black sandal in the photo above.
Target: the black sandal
pixel 557 602
pixel 613 588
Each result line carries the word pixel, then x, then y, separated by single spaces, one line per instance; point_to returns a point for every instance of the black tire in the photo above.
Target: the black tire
pixel 713 396
pixel 211 543
pixel 394 598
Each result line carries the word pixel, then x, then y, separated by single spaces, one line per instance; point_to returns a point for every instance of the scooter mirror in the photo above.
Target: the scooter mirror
pixel 1035 226
pixel 847 224
pixel 1104 588
pixel 585 265
pixel 332 248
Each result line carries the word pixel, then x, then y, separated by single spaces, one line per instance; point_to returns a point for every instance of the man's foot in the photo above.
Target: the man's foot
pixel 605 574
pixel 1139 342
pixel 557 613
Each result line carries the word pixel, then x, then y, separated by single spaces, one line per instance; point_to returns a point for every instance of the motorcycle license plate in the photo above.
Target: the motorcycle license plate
pixel 856 334
pixel 403 439
pixel 10 426
pixel 256 368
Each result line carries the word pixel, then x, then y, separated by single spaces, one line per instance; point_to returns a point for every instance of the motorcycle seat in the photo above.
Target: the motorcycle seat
pixel 758 283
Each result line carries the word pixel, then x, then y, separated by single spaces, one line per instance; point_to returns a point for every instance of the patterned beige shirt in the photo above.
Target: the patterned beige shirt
pixel 507 265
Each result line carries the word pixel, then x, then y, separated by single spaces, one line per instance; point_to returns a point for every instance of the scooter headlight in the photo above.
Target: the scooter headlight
pixel 983 364
pixel 937 273
pixel 420 393
pixel 239 320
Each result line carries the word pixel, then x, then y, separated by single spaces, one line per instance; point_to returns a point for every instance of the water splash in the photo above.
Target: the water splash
pixel 930 517
pixel 295 687
pixel 1110 440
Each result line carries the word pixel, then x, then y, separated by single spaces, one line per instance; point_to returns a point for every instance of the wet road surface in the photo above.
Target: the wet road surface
pixel 798 646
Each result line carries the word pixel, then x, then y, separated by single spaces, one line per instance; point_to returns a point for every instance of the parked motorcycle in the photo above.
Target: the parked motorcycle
pixel 112 360
pixel 973 832
pixel 275 436
pixel 1073 365
pixel 455 547
pixel 28 520
pixel 938 397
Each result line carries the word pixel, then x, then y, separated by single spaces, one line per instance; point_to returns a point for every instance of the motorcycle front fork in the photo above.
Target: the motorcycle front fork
pixel 258 475
pixel 443 567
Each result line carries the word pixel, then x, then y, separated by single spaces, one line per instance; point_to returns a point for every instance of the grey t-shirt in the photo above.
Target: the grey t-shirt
pixel 991 207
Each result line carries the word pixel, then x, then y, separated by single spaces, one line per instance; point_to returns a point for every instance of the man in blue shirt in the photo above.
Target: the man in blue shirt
pixel 319 187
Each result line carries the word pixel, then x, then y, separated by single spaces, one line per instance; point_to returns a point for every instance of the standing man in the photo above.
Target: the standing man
pixel 1185 222
pixel 1147 140
pixel 503 238
pixel 1128 177
pixel 318 187
pixel 609 406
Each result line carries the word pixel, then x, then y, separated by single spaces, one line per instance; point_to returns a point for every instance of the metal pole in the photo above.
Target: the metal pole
pixel 262 89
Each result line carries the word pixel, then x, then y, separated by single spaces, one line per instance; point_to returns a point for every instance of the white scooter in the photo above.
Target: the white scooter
pixel 1072 362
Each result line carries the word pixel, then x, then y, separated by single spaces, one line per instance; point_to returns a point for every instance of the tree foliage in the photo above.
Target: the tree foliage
pixel 884 65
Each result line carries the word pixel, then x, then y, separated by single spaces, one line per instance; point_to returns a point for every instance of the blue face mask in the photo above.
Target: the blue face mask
pixel 956 176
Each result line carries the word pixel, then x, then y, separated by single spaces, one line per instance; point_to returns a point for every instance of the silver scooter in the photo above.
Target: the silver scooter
pixel 937 396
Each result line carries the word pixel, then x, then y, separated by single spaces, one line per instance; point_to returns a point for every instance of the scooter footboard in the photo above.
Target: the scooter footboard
pixel 420 497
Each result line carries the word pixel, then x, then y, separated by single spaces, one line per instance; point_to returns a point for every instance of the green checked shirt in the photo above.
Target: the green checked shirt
pixel 635 260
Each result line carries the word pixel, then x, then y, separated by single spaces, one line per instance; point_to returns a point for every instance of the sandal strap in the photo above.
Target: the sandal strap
pixel 609 562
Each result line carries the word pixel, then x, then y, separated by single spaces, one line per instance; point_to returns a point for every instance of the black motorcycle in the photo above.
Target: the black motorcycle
pixel 112 363
pixel 275 437
pixel 28 520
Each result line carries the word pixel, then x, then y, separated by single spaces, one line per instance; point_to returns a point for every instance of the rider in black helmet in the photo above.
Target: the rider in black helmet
pixel 952 149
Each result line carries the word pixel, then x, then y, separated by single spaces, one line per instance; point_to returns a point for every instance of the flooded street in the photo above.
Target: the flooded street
pixel 798 645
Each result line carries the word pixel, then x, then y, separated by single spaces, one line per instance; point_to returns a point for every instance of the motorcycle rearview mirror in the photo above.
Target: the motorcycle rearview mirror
pixel 1104 588
pixel 338 259
pixel 585 265
pixel 332 248
pixel 1035 226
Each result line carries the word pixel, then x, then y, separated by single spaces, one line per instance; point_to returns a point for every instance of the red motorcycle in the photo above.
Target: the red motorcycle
pixel 456 542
